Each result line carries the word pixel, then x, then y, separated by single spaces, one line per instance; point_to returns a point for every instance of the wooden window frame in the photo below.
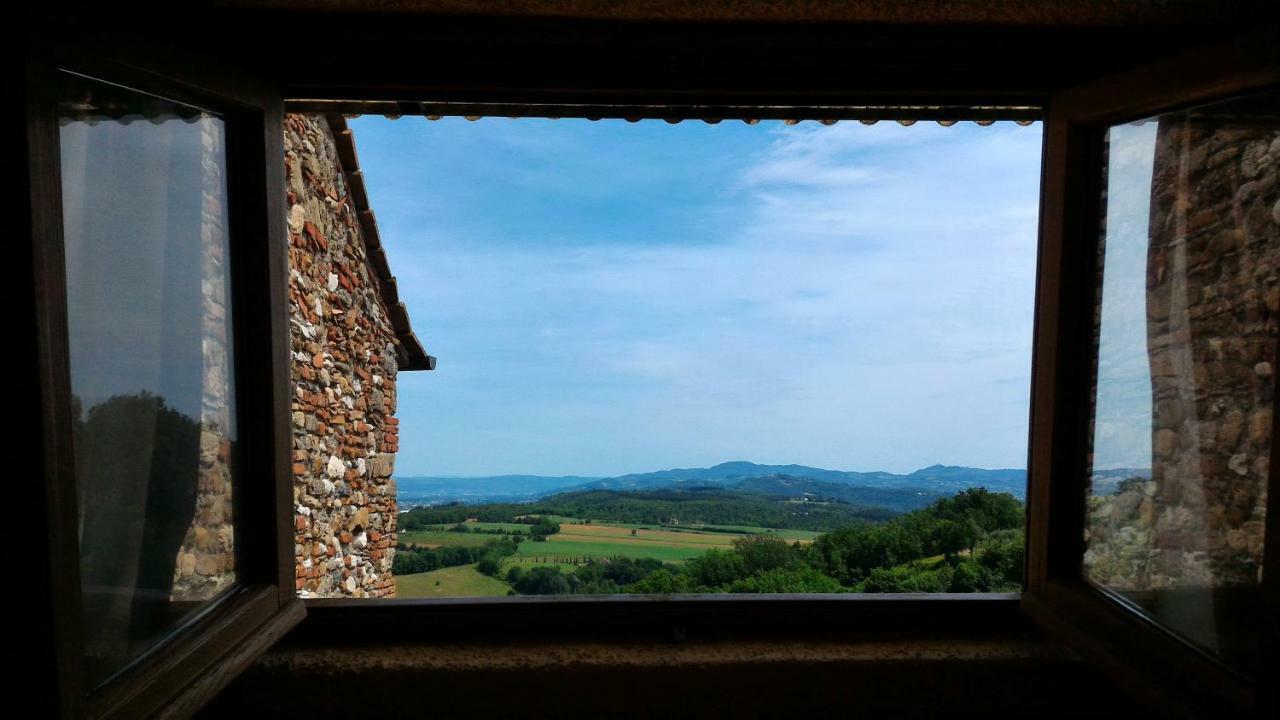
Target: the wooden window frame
pixel 228 636
pixel 1162 668
pixel 202 654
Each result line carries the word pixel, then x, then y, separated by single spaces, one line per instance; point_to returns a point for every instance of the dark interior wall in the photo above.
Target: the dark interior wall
pixel 1009 12
pixel 675 51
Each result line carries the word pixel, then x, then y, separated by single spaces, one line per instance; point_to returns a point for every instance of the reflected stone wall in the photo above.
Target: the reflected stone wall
pixel 344 374
pixel 1213 294
pixel 206 561
pixel 1213 298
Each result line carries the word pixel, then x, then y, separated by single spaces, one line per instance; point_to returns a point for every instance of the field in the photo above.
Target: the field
pixel 461 581
pixel 577 540
pixel 443 538
pixel 575 543
pixel 802 535
pixel 504 526
pixel 631 542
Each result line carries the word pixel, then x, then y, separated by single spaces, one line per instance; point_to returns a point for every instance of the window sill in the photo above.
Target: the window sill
pixel 749 656
pixel 629 618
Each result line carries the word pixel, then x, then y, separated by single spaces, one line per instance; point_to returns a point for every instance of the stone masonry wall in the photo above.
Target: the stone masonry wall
pixel 344 374
pixel 1213 300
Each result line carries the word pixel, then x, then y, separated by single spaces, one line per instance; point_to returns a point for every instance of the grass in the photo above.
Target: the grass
pixel 562 519
pixel 460 581
pixel 477 525
pixel 578 541
pixel 785 534
pixel 528 562
pixel 562 550
pixel 442 538
pixel 506 526
pixel 574 542
pixel 642 535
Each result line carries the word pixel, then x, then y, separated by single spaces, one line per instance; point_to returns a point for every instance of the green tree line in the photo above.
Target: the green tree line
pixel 683 506
pixel 971 542
pixel 410 559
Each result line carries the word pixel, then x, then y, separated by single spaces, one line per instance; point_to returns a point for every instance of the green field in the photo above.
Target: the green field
pixel 562 550
pixel 528 562
pixel 511 527
pixel 438 538
pixel 477 525
pixel 578 541
pixel 506 526
pixel 785 534
pixel 707 540
pixel 461 581
pixel 575 542
pixel 562 519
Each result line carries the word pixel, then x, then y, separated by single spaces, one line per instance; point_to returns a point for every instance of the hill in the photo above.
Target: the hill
pixel 770 502
pixel 934 481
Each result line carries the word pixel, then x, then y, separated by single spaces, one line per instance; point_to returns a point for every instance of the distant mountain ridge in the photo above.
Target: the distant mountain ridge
pixel 925 483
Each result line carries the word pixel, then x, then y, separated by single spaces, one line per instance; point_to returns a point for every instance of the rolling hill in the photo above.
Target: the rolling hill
pixel 860 488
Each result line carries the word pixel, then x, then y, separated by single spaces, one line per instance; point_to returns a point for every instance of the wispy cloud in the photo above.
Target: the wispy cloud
pixel 607 298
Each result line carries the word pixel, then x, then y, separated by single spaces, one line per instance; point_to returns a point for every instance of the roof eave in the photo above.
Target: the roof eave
pixel 410 355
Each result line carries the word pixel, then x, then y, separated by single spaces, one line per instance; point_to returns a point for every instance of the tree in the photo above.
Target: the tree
pixel 1003 557
pixel 949 537
pixel 490 564
pixel 716 568
pixel 765 552
pixel 970 577
pixel 787 580
pixel 543 581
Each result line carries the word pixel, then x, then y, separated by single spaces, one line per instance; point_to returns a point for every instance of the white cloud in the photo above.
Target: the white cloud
pixel 863 301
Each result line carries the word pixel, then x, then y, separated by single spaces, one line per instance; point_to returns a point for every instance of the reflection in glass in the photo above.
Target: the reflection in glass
pixel 1186 353
pixel 145 229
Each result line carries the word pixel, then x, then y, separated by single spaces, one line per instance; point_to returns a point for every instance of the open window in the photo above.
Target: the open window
pixel 598 288
pixel 1153 440
pixel 159 260
pixel 156 205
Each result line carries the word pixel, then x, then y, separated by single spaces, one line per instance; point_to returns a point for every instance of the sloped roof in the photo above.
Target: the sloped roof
pixel 412 355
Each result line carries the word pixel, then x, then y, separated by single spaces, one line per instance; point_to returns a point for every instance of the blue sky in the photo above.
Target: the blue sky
pixel 1122 428
pixel 612 297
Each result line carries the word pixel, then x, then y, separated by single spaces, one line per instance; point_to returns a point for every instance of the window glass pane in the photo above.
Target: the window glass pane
pixel 1186 345
pixel 145 225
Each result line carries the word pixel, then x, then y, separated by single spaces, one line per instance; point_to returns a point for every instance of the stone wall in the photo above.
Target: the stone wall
pixel 344 373
pixel 1213 299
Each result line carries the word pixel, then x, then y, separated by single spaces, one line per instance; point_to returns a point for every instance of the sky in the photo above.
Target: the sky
pixel 616 297
pixel 133 197
pixel 1122 429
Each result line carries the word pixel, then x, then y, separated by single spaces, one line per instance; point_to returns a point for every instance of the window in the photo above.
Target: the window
pixel 152 357
pixel 1179 648
pixel 1160 232
pixel 828 324
pixel 151 239
pixel 1190 296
